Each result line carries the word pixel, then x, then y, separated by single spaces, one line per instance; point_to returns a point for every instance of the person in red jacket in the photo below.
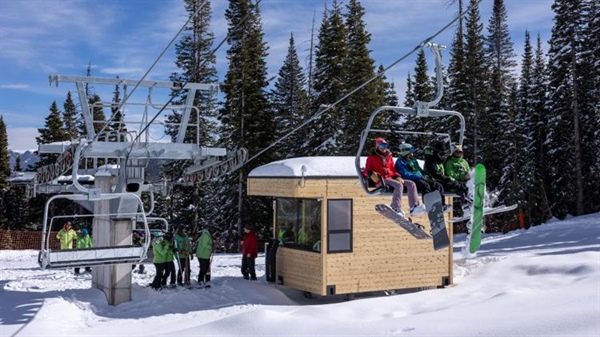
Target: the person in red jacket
pixel 380 166
pixel 249 253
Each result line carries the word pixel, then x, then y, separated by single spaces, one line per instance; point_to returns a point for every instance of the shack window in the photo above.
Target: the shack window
pixel 339 226
pixel 298 223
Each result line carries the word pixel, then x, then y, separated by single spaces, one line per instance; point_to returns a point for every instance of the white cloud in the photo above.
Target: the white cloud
pixel 22 139
pixel 16 86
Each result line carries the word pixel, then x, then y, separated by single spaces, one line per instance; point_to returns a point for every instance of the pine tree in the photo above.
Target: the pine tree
pixel 18 167
pixel 539 122
pixel 467 74
pixel 117 129
pixel 197 61
pixel 497 119
pixel 389 119
pixel 588 91
pixel 53 131
pixel 528 188
pixel 457 94
pixel 474 75
pixel 97 113
pixel 564 139
pixel 245 116
pixel 421 91
pixel 330 82
pixel 194 205
pixel 390 97
pixel 517 177
pixel 70 118
pixel 16 207
pixel 289 100
pixel 360 68
pixel 4 157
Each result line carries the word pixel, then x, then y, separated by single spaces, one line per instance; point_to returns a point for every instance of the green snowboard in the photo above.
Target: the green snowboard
pixel 478 199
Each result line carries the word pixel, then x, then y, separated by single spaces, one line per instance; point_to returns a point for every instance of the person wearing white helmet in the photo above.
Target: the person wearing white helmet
pixel 409 168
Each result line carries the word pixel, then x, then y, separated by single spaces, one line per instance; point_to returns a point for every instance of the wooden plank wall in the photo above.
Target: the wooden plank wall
pixel 302 270
pixel 384 255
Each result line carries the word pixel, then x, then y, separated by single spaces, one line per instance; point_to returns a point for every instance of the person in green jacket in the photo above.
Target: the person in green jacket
pixel 66 236
pixel 204 255
pixel 182 248
pixel 84 240
pixel 456 166
pixel 170 264
pixel 161 249
pixel 435 157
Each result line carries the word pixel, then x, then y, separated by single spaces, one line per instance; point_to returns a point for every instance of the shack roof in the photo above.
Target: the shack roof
pixel 326 166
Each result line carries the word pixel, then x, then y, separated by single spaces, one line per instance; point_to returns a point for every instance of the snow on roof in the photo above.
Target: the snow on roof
pixel 311 166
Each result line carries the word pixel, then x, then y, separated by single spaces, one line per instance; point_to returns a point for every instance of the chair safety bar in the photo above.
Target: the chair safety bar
pixel 92 257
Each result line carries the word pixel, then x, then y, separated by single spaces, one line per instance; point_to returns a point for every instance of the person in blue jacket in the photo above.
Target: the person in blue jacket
pixel 408 167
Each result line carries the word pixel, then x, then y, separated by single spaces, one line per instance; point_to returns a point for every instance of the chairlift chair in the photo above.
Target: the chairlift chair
pixel 421 109
pixel 56 259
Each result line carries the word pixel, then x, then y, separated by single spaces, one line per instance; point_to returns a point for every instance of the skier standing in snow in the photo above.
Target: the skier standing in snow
pixel 169 261
pixel 83 241
pixel 380 166
pixel 249 253
pixel 66 236
pixel 204 253
pixel 159 248
pixel 184 246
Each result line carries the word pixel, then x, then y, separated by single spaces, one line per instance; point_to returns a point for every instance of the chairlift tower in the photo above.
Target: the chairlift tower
pixel 117 161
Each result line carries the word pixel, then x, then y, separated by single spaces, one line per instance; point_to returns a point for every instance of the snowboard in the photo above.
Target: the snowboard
pixel 486 211
pixel 414 229
pixel 435 213
pixel 477 216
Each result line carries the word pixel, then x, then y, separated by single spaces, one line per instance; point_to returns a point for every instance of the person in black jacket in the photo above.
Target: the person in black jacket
pixel 435 156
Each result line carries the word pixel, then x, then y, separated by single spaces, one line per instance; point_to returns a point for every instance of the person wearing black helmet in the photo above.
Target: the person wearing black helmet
pixel 435 157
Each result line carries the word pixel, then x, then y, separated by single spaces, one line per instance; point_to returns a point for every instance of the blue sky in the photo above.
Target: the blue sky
pixel 124 38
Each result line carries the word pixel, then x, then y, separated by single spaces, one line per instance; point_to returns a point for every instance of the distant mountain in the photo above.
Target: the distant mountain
pixel 28 158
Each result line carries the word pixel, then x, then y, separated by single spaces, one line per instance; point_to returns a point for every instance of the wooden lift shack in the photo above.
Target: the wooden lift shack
pixel 330 239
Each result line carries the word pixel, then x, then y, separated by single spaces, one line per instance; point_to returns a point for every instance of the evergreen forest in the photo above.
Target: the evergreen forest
pixel 533 119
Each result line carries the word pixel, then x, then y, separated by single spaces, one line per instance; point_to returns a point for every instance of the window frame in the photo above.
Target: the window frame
pixel 348 231
pixel 298 221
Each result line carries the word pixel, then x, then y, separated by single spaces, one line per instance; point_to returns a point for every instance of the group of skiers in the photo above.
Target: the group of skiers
pixel 80 237
pixel 440 172
pixel 169 248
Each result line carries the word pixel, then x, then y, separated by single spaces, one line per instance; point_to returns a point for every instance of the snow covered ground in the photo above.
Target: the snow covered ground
pixel 543 281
